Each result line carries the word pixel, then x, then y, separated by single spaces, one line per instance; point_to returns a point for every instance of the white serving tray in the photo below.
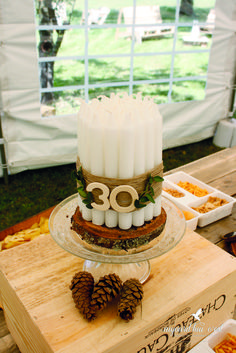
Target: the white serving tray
pixel 191 223
pixel 181 202
pixel 189 200
pixel 217 213
pixel 220 333
pixel 181 176
pixel 169 185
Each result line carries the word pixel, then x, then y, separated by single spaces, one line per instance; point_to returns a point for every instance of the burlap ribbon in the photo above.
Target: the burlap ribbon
pixel 138 183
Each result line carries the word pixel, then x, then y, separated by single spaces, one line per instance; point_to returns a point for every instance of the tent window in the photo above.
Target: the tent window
pixel 86 49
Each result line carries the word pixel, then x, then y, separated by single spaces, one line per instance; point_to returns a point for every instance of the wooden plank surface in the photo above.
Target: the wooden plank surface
pixel 7 344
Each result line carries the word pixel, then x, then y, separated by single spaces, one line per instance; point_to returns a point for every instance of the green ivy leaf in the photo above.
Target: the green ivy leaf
pixel 86 201
pixel 89 206
pixel 90 196
pixel 150 198
pixel 80 177
pixel 80 183
pixel 141 205
pixel 136 203
pixel 87 196
pixel 79 173
pixel 144 199
pixel 148 193
pixel 151 190
pixel 150 180
pixel 158 178
pixel 82 192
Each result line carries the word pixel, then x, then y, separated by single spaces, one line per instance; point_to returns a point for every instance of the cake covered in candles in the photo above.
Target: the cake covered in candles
pixel 119 172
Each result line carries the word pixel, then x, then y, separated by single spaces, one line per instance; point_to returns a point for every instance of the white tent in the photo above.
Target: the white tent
pixel 32 142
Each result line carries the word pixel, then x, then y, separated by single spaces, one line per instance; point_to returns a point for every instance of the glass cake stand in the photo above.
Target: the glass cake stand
pixel 100 261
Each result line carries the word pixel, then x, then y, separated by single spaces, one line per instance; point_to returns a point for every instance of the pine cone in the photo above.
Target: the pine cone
pixel 107 288
pixel 130 297
pixel 82 285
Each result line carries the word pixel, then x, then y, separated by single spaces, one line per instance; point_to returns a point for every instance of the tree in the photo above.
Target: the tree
pixel 186 8
pixel 50 13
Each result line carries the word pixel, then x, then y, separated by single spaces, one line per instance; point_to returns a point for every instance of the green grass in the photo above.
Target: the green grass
pixel 33 191
pixel 118 68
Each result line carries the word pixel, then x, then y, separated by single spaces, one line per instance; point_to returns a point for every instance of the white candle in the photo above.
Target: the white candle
pixel 158 135
pixel 158 153
pixel 139 159
pixel 111 153
pixel 86 213
pixel 80 203
pixel 83 145
pixel 150 150
pixel 96 154
pixel 96 146
pixel 84 151
pixel 111 218
pixel 138 217
pixel 150 143
pixel 157 206
pixel 111 143
pixel 126 148
pixel 148 212
pixel 125 220
pixel 98 217
pixel 120 138
pixel 126 161
pixel 139 154
pixel 92 153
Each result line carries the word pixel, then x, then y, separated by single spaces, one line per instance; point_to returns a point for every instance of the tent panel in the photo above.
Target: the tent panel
pixel 35 142
pixel 15 12
pixel 19 68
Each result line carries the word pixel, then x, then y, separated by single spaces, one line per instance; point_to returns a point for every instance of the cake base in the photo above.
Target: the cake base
pixel 116 238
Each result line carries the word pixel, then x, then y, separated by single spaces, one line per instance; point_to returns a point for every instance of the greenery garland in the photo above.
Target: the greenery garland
pixel 87 196
pixel 148 193
pixel 144 197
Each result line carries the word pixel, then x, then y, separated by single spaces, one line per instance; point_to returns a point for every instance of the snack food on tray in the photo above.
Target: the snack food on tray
pixel 173 192
pixel 25 235
pixel 228 345
pixel 188 215
pixel 119 172
pixel 193 189
pixel 212 203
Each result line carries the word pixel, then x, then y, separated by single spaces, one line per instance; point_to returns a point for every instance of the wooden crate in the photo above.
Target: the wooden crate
pixel 42 318
pixel 27 223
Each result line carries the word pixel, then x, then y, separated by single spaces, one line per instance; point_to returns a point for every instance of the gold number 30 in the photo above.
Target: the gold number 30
pixel 111 201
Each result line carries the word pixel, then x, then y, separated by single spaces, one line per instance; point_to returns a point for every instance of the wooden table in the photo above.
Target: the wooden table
pixel 217 170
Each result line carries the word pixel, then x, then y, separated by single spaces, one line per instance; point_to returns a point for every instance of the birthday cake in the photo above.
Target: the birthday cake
pixel 119 172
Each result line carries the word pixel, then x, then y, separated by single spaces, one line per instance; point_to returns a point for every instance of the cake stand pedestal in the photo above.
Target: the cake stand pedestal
pixel 140 270
pixel 100 261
